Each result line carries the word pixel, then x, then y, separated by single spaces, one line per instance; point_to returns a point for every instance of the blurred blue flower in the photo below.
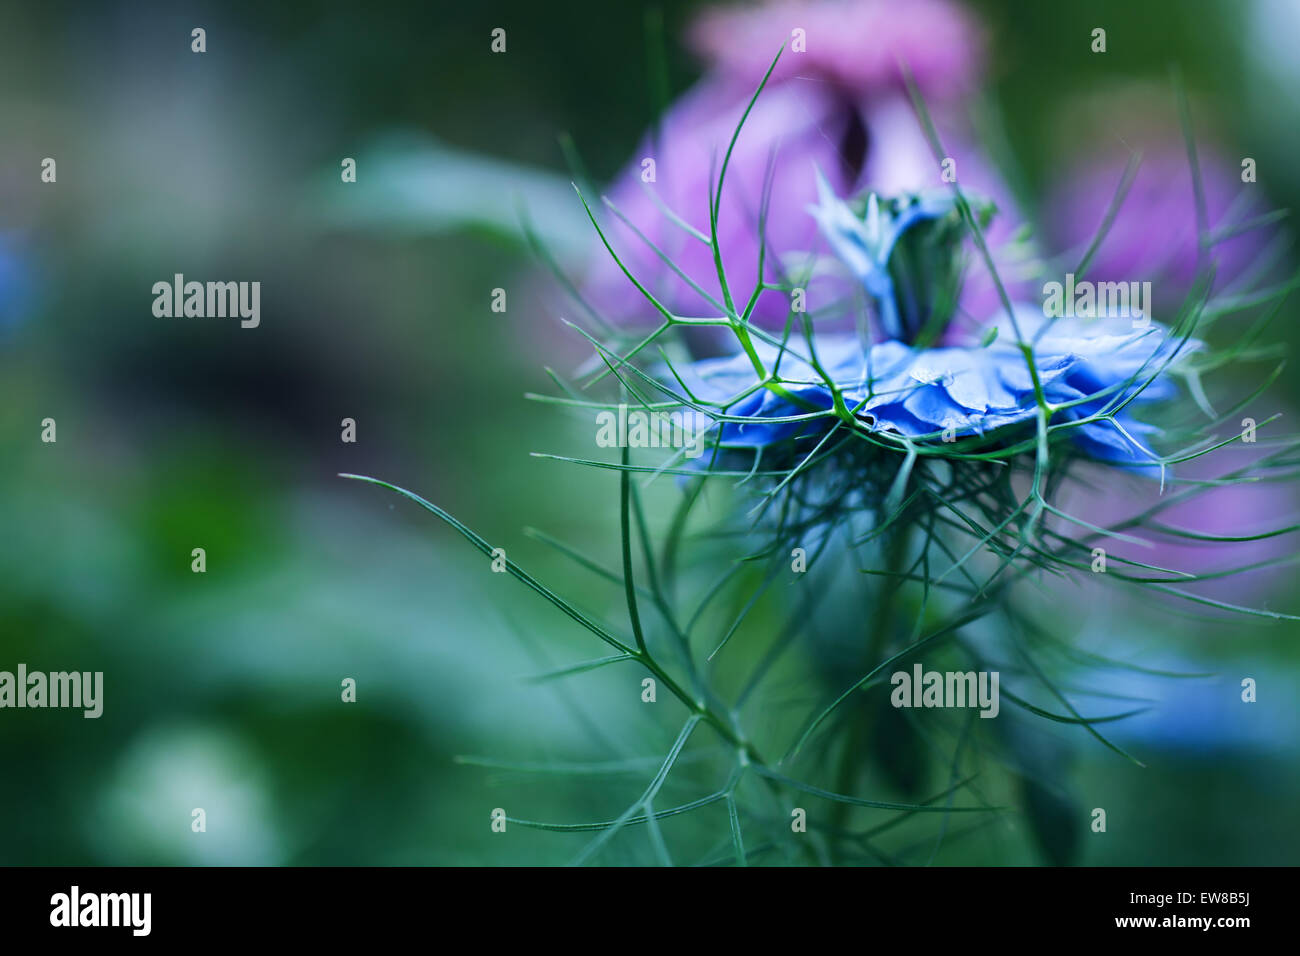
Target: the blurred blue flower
pixel 1088 365
pixel 16 290
pixel 1205 718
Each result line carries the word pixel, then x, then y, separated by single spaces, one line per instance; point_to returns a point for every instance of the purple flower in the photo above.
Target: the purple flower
pixel 1153 237
pixel 838 108
pixel 1177 534
pixel 853 44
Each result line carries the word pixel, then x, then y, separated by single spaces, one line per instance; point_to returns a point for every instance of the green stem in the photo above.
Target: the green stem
pixel 859 725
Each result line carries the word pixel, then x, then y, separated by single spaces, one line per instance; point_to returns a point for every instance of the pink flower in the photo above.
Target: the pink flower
pixel 839 107
pixel 853 44
pixel 1153 237
pixel 1235 510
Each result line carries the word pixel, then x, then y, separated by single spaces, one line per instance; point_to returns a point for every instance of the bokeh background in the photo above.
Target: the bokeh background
pixel 222 689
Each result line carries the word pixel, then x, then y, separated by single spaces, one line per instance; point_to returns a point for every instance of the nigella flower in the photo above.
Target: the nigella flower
pixel 1231 522
pixel 906 482
pixel 855 44
pixel 1092 371
pixel 1154 233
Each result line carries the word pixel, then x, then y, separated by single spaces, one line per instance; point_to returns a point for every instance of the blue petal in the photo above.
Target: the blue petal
pixel 894 388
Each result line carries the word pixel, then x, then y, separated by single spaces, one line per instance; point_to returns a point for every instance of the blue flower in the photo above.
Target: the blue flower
pixel 1084 367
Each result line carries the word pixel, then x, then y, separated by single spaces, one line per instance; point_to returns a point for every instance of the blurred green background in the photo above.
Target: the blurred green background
pixel 222 689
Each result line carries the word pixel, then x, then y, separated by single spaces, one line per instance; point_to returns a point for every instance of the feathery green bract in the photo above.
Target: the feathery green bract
pixel 770 590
